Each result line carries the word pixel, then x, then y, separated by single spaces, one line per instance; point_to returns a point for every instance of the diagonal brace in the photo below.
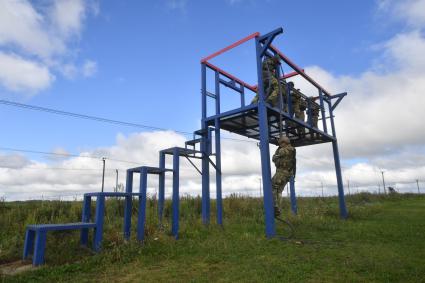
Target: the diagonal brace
pixel 267 39
pixel 193 164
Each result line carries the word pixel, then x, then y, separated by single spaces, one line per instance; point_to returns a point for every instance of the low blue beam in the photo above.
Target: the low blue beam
pixel 128 205
pixel 161 189
pixel 98 231
pixel 176 199
pixel 142 204
pixel 293 196
pixel 84 234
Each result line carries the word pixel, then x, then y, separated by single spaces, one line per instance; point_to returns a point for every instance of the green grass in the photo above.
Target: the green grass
pixel 382 241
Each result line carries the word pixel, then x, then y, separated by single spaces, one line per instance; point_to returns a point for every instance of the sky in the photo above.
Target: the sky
pixel 139 61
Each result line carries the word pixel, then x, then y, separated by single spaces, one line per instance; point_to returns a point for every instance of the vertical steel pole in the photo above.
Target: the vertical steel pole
pixel 218 151
pixel 322 111
pixel 264 148
pixel 332 119
pixel 383 182
pixel 417 183
pixel 103 173
pixel 116 181
pixel 98 231
pixel 176 199
pixel 40 244
pixel 242 96
pixel 342 207
pixel 84 234
pixel 204 149
pixel 128 204
pixel 294 207
pixel 142 204
pixel 161 189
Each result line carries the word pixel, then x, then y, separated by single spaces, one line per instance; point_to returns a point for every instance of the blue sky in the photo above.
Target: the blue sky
pixel 139 61
pixel 148 52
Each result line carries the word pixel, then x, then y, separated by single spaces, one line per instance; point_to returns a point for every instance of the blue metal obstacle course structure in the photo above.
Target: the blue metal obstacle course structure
pixel 260 121
pixel 263 122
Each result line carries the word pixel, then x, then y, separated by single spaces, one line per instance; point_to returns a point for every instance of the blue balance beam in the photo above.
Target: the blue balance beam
pixel 39 232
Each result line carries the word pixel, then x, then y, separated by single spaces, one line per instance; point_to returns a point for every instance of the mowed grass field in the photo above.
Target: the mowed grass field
pixel 382 241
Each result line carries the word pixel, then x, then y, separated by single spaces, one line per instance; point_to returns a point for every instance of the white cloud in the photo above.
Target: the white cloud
pixel 412 12
pixel 67 16
pixel 89 68
pixel 41 35
pixel 19 74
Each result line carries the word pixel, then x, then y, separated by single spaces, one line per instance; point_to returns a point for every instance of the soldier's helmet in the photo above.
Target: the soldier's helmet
pixel 276 59
pixel 284 140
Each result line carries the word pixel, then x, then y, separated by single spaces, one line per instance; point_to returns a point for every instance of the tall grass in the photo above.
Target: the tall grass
pixel 238 210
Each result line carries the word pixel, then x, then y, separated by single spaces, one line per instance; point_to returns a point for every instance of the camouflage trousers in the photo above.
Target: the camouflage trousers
pixel 271 92
pixel 279 181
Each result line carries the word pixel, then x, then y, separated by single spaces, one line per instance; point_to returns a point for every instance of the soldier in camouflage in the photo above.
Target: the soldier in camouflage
pixel 299 105
pixel 285 162
pixel 314 110
pixel 270 82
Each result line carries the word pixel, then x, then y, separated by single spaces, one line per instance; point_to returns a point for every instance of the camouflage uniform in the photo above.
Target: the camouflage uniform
pixel 299 105
pixel 315 110
pixel 270 82
pixel 285 162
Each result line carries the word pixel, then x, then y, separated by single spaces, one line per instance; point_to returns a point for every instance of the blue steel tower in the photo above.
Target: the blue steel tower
pixel 263 122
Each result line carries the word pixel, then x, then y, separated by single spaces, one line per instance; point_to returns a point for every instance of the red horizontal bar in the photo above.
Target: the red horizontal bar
pixel 298 70
pixel 287 76
pixel 224 73
pixel 237 43
pixel 292 74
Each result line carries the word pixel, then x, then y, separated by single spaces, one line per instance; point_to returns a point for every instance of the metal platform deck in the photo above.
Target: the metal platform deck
pixel 244 121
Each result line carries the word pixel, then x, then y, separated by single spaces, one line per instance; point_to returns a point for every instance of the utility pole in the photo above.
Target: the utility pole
pixel 103 174
pixel 322 189
pixel 116 181
pixel 383 182
pixel 379 189
pixel 348 186
pixel 417 183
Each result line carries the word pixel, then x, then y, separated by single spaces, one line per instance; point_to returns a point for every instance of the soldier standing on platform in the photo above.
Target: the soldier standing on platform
pixel 270 82
pixel 285 162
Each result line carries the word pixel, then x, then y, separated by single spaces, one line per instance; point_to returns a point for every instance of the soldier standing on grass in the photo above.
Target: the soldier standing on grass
pixel 285 162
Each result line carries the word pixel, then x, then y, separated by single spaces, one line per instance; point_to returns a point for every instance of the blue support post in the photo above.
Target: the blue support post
pixel 322 110
pixel 84 234
pixel 161 189
pixel 294 207
pixel 29 243
pixel 242 96
pixel 332 118
pixel 176 199
pixel 142 204
pixel 40 245
pixel 342 207
pixel 218 177
pixel 128 205
pixel 264 148
pixel 204 149
pixel 98 231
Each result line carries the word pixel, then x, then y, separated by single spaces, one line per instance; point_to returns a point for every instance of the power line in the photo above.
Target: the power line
pixel 84 116
pixel 99 119
pixel 53 168
pixel 64 154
